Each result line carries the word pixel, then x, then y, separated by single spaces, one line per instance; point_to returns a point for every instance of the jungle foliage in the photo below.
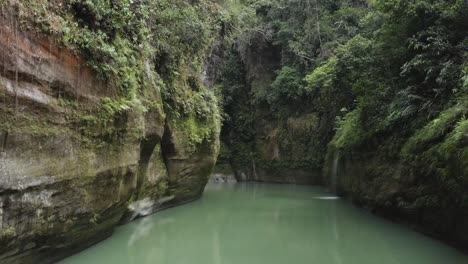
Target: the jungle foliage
pixel 387 72
pixel 285 64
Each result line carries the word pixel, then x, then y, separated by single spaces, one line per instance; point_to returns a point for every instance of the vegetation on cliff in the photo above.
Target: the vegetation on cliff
pixel 380 85
pixel 410 99
pixel 296 104
pixel 106 115
pixel 384 69
pixel 152 52
pixel 297 83
pixel 392 72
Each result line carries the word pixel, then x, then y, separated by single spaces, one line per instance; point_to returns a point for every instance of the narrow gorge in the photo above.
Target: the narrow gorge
pixel 113 110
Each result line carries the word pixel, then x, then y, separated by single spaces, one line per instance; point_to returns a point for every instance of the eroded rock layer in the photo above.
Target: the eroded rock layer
pixel 78 156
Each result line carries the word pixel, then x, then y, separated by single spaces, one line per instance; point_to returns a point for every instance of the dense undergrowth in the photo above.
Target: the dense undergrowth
pixel 411 101
pixel 292 87
pixel 391 73
pixel 373 92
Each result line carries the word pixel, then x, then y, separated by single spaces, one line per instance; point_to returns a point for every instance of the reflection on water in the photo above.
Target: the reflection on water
pixel 266 224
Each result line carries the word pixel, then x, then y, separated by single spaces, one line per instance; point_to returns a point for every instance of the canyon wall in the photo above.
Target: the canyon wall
pixel 78 155
pixel 422 182
pixel 368 99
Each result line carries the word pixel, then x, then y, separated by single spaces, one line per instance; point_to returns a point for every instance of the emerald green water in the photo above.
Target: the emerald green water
pixel 266 224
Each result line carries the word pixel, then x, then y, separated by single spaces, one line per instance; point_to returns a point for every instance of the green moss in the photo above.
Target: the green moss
pixel 155 185
pixel 322 77
pixel 191 132
pixel 141 49
pixel 111 120
pixel 8 232
pixel 438 130
pixel 454 139
pixel 27 124
pixel 349 133
pixel 447 158
pixel 288 85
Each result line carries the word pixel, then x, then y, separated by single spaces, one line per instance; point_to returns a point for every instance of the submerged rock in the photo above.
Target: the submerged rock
pixel 222 178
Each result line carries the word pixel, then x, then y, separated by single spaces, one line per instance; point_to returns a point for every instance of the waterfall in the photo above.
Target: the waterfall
pixel 254 169
pixel 334 173
pixel 16 64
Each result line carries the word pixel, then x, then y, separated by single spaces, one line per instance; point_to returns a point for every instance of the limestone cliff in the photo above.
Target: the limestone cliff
pixel 79 153
pixel 283 141
pixel 365 91
pixel 424 185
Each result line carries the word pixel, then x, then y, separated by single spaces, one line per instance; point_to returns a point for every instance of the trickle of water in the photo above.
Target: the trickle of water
pixel 334 173
pixel 327 198
pixel 16 65
pixel 254 169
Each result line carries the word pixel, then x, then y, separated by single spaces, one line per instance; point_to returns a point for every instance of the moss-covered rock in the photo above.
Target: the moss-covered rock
pixel 424 186
pixel 104 118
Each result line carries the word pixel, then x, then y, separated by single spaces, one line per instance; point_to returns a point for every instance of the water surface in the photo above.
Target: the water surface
pixel 266 224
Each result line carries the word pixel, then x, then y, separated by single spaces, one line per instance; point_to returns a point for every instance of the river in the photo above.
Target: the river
pixel 250 223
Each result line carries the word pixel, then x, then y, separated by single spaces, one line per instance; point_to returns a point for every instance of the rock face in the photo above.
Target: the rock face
pixel 414 170
pixel 404 192
pixel 281 142
pixel 65 180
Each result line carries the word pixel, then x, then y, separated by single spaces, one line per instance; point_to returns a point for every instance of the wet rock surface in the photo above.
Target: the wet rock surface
pixel 401 193
pixel 63 189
